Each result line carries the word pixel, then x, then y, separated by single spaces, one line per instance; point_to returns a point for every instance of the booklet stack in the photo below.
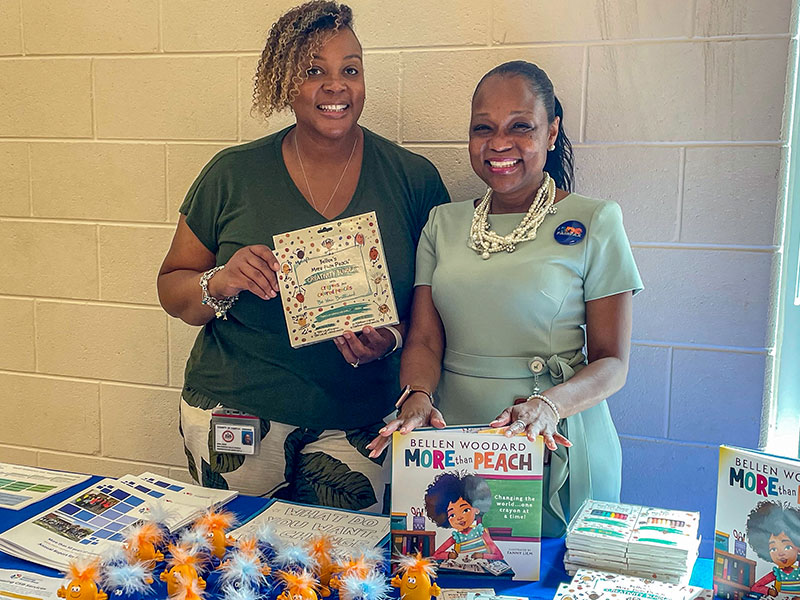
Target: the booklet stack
pixel 95 519
pixel 597 585
pixel 641 541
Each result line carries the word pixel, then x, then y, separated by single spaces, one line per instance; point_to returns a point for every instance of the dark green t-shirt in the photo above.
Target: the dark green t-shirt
pixel 245 196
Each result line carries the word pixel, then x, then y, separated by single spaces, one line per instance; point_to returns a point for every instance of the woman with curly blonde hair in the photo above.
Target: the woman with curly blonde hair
pixel 317 406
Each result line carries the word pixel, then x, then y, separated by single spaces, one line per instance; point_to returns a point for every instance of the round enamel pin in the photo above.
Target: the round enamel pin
pixel 570 232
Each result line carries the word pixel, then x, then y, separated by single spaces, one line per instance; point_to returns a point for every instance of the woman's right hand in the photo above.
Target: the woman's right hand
pixel 416 411
pixel 252 268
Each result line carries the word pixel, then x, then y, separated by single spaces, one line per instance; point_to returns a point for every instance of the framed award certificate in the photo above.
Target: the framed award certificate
pixel 333 277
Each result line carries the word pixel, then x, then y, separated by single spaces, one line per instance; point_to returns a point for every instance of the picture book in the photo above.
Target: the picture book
pixel 334 277
pixel 470 499
pixel 757 531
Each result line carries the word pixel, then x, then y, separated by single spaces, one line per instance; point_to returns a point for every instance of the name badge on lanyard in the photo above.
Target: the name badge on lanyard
pixel 236 432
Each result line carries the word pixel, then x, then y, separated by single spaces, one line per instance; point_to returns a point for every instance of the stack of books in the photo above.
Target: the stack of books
pixel 640 541
pixel 597 585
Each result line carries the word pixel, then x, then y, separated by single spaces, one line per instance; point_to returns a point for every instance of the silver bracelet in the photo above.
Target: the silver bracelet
pixel 398 340
pixel 220 307
pixel 547 401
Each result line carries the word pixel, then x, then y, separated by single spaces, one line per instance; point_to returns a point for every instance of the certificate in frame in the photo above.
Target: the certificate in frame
pixel 334 277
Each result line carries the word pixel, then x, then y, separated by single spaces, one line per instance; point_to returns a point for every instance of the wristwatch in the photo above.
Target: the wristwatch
pixel 407 391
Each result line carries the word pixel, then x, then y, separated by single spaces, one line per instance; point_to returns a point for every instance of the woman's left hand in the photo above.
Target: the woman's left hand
pixel 533 417
pixel 371 344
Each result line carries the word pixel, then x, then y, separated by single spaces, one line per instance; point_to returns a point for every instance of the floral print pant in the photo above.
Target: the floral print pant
pixel 327 467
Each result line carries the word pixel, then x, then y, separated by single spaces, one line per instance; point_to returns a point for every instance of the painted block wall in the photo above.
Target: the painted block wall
pixel 109 109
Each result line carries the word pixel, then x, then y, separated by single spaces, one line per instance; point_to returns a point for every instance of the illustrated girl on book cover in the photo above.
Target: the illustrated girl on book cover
pixel 458 500
pixel 773 531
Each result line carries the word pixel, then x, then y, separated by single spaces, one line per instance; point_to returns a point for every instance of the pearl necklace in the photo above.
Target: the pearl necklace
pixel 485 241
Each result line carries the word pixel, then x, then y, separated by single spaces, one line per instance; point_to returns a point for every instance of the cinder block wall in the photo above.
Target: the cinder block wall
pixel 109 108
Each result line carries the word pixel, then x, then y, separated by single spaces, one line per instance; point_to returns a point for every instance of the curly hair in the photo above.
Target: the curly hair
pixel 291 43
pixel 448 488
pixel 771 518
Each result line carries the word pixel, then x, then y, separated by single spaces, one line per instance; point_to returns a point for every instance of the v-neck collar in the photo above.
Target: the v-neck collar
pixel 352 206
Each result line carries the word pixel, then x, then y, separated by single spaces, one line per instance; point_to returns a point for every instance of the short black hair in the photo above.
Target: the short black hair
pixel 770 518
pixel 448 488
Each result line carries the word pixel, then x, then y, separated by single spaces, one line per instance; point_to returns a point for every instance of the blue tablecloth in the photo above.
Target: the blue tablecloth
pixel 552 567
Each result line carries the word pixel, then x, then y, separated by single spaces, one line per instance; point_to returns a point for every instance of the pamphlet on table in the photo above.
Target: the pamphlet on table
pixel 28 586
pixel 22 486
pixel 466 594
pixel 296 523
pixel 94 520
pixel 334 277
pixel 469 498
pixel 757 532
pixel 588 584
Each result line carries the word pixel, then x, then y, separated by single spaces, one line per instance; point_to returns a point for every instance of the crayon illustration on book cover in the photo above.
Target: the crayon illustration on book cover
pixel 470 499
pixel 757 537
pixel 334 277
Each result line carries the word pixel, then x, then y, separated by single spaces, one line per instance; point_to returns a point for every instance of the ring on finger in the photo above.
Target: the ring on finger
pixel 355 364
pixel 518 424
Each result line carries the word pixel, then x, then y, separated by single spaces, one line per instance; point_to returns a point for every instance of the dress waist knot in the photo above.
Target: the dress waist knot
pixel 559 367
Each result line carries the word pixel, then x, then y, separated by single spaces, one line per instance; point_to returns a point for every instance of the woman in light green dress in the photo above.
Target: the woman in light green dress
pixel 512 288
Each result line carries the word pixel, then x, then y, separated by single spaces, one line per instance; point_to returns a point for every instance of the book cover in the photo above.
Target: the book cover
pixel 757 537
pixel 469 498
pixel 334 277
pixel 588 584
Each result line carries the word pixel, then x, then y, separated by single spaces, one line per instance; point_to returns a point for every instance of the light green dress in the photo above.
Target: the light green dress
pixel 500 313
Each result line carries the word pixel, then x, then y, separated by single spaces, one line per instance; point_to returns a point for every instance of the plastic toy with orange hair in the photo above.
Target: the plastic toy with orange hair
pixel 216 524
pixel 354 566
pixel 415 578
pixel 181 570
pixel 143 541
pixel 83 582
pixel 300 585
pixel 321 548
pixel 188 590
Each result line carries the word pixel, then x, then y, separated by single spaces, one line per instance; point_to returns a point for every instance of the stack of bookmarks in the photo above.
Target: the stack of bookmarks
pixel 641 541
pixel 596 585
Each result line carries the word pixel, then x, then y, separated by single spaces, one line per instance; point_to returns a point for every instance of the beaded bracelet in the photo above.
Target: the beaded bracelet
pixel 220 307
pixel 547 401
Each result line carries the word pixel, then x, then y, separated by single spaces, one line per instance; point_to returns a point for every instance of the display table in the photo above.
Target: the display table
pixel 552 568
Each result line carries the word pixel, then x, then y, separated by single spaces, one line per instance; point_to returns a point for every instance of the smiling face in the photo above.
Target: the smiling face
pixel 329 102
pixel 509 136
pixel 82 590
pixel 782 550
pixel 461 514
pixel 415 585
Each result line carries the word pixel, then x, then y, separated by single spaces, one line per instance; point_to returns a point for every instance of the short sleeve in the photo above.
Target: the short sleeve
pixel 431 192
pixel 426 252
pixel 610 268
pixel 203 205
